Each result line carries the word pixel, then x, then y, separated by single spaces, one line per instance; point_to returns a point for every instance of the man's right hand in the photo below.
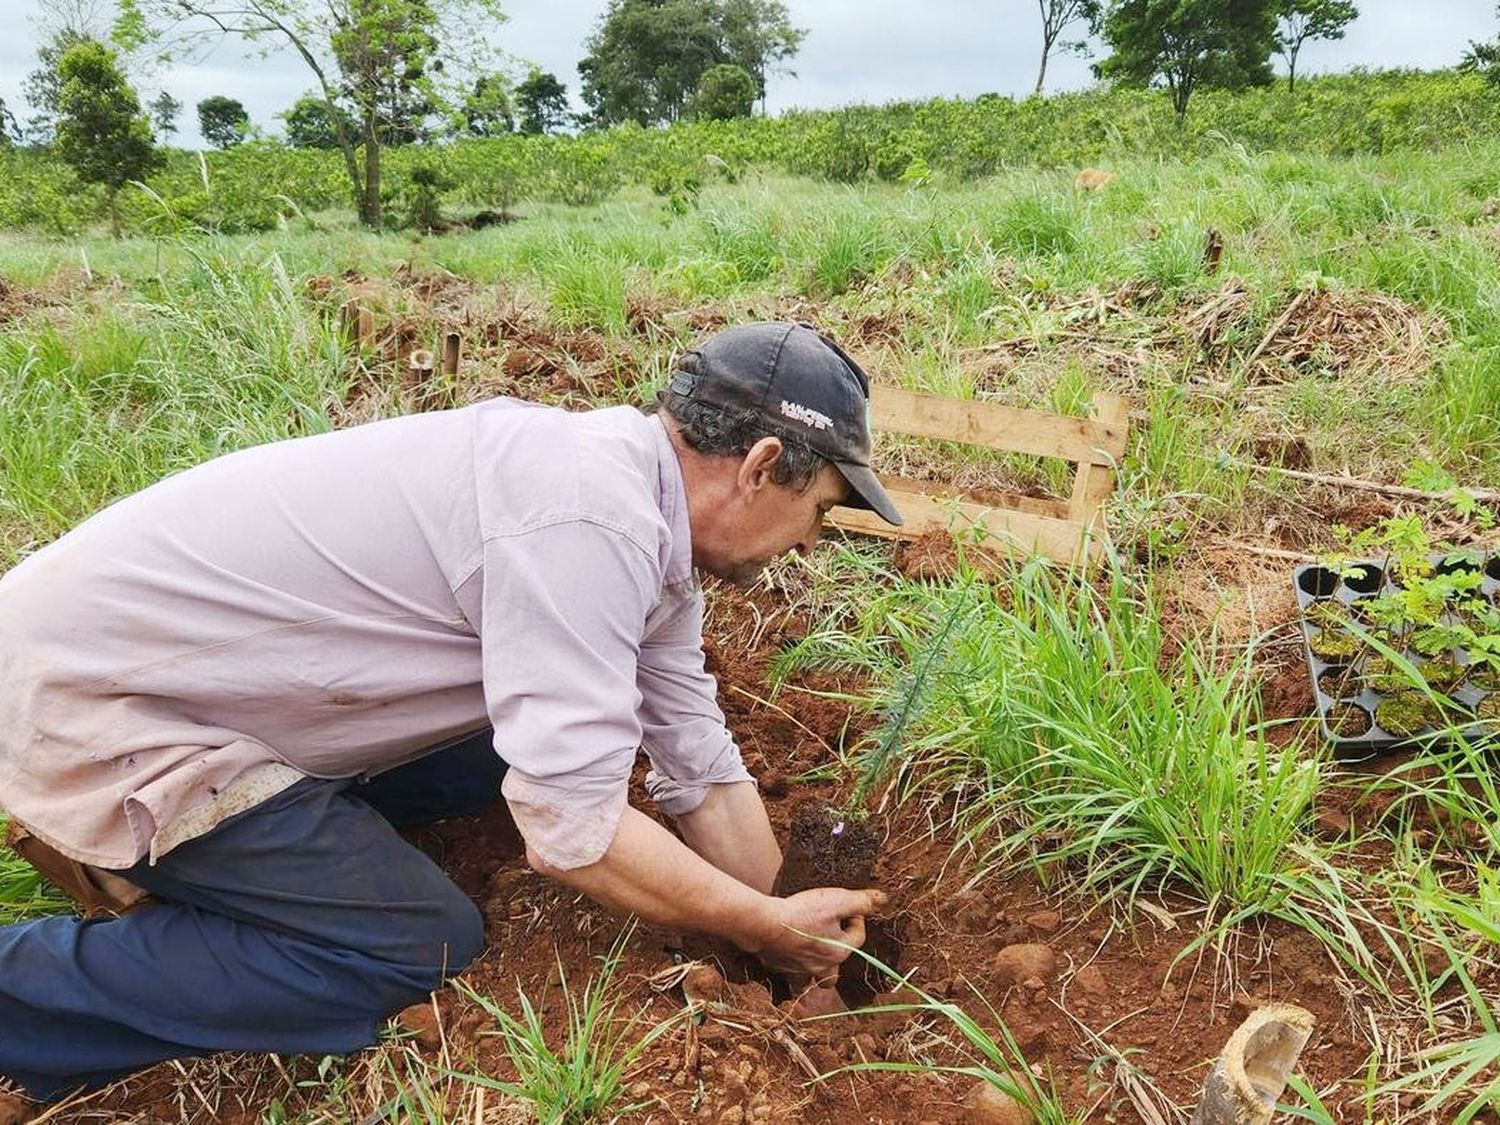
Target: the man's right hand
pixel 805 925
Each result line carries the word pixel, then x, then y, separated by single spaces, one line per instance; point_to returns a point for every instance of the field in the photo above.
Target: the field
pixel 1119 774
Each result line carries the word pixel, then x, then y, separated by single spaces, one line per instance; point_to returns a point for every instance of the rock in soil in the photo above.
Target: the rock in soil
pixel 1044 921
pixel 422 1022
pixel 1090 979
pixel 1016 964
pixel 988 1105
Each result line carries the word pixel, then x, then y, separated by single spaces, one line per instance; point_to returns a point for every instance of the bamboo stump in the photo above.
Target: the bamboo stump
pixel 1250 1075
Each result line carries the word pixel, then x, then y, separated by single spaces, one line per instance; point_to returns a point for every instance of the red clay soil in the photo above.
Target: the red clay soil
pixel 1100 1006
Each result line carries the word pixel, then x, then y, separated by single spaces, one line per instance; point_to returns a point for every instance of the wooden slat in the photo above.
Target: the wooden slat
pixel 994 426
pixel 1057 509
pixel 1009 531
pixel 1094 482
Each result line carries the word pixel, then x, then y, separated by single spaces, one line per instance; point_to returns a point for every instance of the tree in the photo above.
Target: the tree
pixel 10 132
pixel 541 103
pixel 1057 17
pixel 164 110
pixel 62 24
pixel 1484 58
pixel 222 121
pixel 393 62
pixel 725 91
pixel 646 57
pixel 43 86
pixel 487 109
pixel 759 36
pixel 310 123
pixel 1184 44
pixel 1297 21
pixel 100 128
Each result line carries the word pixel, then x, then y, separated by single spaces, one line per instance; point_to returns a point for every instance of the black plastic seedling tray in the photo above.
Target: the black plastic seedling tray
pixel 1361 580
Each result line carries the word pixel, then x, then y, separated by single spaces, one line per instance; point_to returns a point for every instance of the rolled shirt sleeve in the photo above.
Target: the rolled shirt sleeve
pixel 564 610
pixel 683 729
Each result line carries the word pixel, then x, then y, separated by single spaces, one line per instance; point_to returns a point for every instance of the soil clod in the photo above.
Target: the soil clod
pixel 1019 964
pixel 989 1105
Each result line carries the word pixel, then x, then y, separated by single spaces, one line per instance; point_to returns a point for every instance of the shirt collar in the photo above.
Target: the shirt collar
pixel 672 498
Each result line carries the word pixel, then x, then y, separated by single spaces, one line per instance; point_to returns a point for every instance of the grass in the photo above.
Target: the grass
pixel 1078 741
pixel 583 1077
pixel 23 893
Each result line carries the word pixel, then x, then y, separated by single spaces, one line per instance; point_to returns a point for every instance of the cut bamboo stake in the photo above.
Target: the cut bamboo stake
pixel 1277 326
pixel 1250 1075
pixel 452 346
pixel 419 364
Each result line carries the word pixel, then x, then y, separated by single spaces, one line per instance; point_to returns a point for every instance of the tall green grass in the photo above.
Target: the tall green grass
pixel 222 356
pixel 1079 742
pixel 582 1077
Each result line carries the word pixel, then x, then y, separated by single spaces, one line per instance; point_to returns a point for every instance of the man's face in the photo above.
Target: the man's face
pixel 763 520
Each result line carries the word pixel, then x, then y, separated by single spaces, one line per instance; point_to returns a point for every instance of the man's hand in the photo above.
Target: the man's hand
pixel 806 924
pixel 649 871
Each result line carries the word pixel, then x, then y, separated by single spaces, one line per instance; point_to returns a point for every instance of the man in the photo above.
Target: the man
pixel 227 689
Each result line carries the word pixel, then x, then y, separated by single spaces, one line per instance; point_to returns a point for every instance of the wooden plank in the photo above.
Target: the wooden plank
pixel 994 426
pixel 1057 509
pixel 1094 482
pixel 1009 531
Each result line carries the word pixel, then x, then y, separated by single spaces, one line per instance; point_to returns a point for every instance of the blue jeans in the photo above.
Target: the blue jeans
pixel 294 927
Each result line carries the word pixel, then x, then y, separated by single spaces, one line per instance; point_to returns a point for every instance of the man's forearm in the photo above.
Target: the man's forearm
pixel 731 830
pixel 649 872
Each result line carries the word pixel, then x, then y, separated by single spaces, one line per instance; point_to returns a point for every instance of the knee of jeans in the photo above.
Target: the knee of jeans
pixel 457 935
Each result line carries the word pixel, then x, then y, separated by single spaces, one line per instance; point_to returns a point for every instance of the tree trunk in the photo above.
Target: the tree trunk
pixel 1291 72
pixel 369 209
pixel 1041 73
pixel 352 169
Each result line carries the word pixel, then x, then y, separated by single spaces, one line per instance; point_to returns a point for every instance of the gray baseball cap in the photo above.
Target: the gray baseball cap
pixel 803 384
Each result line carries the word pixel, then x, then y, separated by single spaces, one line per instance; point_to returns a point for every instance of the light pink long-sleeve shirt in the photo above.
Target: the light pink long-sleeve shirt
pixel 336 605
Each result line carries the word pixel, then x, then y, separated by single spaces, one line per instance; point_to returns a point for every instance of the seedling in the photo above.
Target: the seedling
pixel 1403 644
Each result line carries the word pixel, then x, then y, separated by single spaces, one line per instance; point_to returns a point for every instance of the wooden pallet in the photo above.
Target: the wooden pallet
pixel 1055 529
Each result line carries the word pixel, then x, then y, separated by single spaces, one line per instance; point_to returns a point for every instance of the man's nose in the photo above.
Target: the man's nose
pixel 810 540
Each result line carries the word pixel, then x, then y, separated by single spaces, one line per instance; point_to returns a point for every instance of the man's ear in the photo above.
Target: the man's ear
pixel 757 466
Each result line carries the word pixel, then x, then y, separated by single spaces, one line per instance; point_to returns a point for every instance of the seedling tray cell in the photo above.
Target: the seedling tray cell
pixel 1347 710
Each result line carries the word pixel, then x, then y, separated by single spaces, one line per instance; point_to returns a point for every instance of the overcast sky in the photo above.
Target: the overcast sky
pixel 855 51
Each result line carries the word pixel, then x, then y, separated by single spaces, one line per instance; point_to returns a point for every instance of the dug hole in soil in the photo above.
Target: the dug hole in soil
pixel 830 847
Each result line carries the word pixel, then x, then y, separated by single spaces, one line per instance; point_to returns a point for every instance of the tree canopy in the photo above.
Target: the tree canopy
pixel 647 58
pixel 222 121
pixel 100 129
pixel 541 103
pixel 310 123
pixel 43 86
pixel 1297 21
pixel 487 111
pixel 164 110
pixel 725 91
pixel 1484 57
pixel 1185 44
